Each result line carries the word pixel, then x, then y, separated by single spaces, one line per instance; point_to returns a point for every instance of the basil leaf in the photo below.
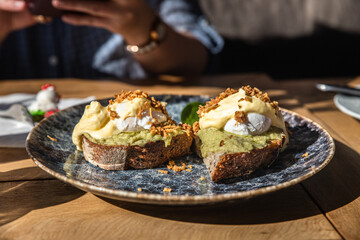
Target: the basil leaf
pixel 189 115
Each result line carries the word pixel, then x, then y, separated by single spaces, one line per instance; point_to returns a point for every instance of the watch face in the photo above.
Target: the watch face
pixel 43 7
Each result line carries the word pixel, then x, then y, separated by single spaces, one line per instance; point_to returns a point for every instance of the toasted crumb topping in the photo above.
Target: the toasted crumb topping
pixel 256 92
pixel 248 99
pixel 175 168
pixel 113 114
pixel 213 103
pixel 170 126
pixel 259 94
pixel 166 189
pixel 249 91
pixel 196 127
pixel 240 116
pixel 179 168
pixel 52 139
pixel 162 129
pixel 274 104
pixel 139 113
pixel 139 94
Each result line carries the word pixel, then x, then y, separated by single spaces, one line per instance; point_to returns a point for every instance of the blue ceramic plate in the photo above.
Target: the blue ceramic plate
pixel 60 159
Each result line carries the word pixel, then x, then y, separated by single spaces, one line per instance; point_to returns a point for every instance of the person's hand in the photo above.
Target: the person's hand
pixel 14 15
pixel 130 18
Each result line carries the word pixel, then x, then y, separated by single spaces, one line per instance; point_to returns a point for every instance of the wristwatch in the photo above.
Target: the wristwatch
pixel 156 36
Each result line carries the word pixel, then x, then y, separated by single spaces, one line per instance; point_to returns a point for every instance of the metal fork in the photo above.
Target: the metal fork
pixel 17 112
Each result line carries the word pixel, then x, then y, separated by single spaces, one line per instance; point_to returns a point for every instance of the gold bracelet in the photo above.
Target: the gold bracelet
pixel 156 36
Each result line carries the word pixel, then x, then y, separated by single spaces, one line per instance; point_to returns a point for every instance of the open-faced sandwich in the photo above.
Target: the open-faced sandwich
pixel 133 132
pixel 239 132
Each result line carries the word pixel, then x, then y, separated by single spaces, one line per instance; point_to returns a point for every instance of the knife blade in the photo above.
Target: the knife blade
pixel 338 88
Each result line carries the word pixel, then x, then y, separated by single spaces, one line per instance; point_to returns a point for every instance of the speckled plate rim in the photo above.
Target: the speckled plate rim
pixel 168 199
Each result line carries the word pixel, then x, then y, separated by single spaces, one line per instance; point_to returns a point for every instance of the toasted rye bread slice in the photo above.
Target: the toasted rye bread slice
pixel 224 166
pixel 135 157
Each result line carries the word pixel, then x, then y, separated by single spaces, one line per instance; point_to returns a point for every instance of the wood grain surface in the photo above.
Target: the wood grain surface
pixel 34 205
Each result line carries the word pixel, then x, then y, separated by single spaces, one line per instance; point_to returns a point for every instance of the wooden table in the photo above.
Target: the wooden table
pixel 34 205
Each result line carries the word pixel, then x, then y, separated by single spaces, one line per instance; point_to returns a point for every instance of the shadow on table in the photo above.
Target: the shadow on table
pixel 338 184
pixel 19 198
pixel 332 188
pixel 13 154
pixel 24 174
pixel 284 205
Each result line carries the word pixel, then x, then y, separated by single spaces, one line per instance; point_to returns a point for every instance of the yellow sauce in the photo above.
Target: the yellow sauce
pixel 217 118
pixel 96 120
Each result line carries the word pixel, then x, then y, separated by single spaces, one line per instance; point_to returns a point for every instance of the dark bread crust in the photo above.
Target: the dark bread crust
pixel 224 166
pixel 135 157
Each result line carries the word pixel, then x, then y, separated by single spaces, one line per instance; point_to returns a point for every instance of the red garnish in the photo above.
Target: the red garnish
pixel 45 86
pixel 51 112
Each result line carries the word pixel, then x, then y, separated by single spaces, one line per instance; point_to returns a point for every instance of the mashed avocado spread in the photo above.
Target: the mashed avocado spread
pixel 134 138
pixel 214 140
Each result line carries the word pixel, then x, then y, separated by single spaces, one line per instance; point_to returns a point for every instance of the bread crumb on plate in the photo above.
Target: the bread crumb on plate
pixel 167 189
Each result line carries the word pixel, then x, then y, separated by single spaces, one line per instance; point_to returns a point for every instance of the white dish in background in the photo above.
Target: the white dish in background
pixel 348 104
pixel 13 133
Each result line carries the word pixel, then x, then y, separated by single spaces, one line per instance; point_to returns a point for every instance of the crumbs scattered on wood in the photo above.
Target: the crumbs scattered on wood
pixel 52 139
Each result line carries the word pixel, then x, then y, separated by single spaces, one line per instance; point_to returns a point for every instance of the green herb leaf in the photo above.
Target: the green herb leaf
pixel 37 115
pixel 189 115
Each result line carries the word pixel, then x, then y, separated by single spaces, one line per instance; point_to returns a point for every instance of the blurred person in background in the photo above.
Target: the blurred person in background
pixel 106 39
pixel 288 38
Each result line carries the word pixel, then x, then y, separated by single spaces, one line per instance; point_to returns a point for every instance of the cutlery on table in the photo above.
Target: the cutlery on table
pixel 338 88
pixel 17 112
